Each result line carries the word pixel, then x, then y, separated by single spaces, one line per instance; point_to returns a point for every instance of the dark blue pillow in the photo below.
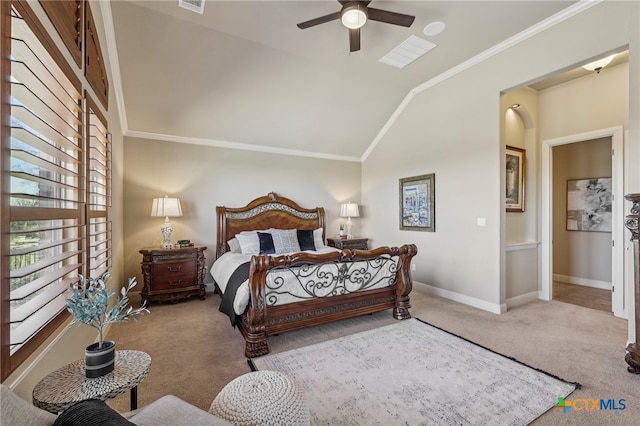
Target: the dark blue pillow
pixel 266 243
pixel 305 239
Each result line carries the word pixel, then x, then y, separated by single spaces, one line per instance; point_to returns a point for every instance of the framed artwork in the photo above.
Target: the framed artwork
pixel 589 204
pixel 514 174
pixel 417 203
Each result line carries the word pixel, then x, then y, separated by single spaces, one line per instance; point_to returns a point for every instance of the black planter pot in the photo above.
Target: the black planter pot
pixel 99 361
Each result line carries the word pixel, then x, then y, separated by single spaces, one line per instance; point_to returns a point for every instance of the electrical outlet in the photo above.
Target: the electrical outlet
pixel 413 267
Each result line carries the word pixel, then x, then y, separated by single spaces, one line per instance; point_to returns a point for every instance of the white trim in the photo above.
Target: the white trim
pixel 521 246
pixel 602 285
pixel 112 48
pixel 617 231
pixel 522 299
pixel 467 300
pixel 543 25
pixel 236 145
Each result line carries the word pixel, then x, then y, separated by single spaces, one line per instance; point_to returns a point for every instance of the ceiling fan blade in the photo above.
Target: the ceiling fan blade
pixel 390 17
pixel 363 2
pixel 318 21
pixel 354 40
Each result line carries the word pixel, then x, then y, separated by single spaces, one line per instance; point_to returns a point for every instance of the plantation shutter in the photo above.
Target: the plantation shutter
pixel 66 17
pixel 99 191
pixel 46 207
pixel 94 67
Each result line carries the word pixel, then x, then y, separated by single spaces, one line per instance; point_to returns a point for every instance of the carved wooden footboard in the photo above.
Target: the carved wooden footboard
pixel 264 317
pixel 261 320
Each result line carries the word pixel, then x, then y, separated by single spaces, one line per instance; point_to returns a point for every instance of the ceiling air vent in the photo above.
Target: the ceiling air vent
pixel 192 5
pixel 407 52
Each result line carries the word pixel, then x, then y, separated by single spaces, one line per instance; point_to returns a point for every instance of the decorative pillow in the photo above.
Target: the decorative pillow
pixel 285 240
pixel 91 412
pixel 234 245
pixel 305 239
pixel 317 238
pixel 249 243
pixel 266 243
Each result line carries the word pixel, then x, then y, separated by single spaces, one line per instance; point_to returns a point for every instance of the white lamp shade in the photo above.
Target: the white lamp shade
pixel 166 207
pixel 349 210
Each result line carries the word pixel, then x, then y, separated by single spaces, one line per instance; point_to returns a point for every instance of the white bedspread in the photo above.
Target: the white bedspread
pixel 284 286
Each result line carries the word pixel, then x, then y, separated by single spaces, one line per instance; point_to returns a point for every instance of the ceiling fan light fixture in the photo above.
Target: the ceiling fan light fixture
pixel 353 17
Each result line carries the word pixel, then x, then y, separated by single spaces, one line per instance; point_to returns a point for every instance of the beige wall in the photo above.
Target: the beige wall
pixel 204 177
pixel 452 129
pixel 579 255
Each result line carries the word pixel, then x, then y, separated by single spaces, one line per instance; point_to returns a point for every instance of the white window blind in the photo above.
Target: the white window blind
pixel 47 198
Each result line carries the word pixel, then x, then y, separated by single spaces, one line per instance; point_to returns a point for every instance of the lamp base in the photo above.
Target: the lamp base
pixel 349 229
pixel 166 229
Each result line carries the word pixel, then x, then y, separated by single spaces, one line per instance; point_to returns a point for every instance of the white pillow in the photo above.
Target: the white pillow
pixel 249 242
pixel 285 240
pixel 234 245
pixel 317 238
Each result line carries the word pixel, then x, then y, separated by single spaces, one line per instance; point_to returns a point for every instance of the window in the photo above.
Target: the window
pixel 56 176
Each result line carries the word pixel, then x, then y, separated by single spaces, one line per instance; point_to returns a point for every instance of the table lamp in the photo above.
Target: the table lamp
pixel 349 210
pixel 167 207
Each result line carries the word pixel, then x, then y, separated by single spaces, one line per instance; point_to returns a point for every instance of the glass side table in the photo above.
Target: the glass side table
pixel 68 385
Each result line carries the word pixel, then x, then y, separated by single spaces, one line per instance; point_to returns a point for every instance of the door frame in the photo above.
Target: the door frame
pixel 617 230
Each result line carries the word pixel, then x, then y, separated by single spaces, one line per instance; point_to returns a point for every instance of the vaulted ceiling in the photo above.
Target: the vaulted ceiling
pixel 244 75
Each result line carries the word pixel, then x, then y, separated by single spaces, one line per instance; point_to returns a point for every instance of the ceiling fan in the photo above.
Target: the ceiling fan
pixel 354 15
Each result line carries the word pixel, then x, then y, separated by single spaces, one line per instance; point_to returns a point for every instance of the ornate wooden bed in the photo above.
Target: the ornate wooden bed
pixel 261 320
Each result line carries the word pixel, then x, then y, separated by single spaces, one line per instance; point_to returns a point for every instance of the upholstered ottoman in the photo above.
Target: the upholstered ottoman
pixel 262 398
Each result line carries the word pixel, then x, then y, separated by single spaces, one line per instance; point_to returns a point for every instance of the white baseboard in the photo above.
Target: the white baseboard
pixel 522 299
pixel 603 285
pixel 467 300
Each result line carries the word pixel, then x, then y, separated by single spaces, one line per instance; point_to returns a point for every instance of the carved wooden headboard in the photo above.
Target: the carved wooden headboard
pixel 270 211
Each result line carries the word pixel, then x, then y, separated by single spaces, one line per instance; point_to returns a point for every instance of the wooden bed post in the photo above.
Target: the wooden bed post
pixel 633 350
pixel 405 283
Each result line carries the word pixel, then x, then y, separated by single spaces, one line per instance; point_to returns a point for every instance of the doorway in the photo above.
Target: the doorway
pixel 551 214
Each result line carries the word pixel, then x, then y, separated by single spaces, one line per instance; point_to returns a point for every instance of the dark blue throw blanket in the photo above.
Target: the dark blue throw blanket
pixel 240 275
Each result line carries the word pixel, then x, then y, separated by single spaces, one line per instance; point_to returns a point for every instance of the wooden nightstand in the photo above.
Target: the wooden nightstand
pixel 352 244
pixel 172 274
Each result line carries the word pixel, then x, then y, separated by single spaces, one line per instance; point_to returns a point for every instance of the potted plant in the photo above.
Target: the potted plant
pixel 88 304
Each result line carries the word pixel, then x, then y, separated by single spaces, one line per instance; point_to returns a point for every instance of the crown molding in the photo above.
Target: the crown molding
pixel 545 24
pixel 553 20
pixel 237 145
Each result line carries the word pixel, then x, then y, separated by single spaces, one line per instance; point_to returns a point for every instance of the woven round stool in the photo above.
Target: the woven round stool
pixel 262 398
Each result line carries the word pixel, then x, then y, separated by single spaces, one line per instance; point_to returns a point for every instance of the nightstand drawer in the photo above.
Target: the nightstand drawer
pixel 170 269
pixel 173 282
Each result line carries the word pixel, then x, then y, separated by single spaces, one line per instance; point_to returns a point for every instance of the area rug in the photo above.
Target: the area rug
pixel 413 373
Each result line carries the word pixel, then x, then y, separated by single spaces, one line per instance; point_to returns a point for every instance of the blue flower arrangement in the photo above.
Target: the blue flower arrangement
pixel 89 301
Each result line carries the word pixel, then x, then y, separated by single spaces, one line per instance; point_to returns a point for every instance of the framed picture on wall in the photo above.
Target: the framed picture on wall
pixel 514 174
pixel 589 204
pixel 417 203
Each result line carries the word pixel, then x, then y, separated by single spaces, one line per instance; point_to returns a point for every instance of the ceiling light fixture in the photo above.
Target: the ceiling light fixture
pixel 599 64
pixel 353 17
pixel 434 28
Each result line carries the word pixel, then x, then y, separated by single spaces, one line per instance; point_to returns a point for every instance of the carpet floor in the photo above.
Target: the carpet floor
pixel 413 373
pixel 195 352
